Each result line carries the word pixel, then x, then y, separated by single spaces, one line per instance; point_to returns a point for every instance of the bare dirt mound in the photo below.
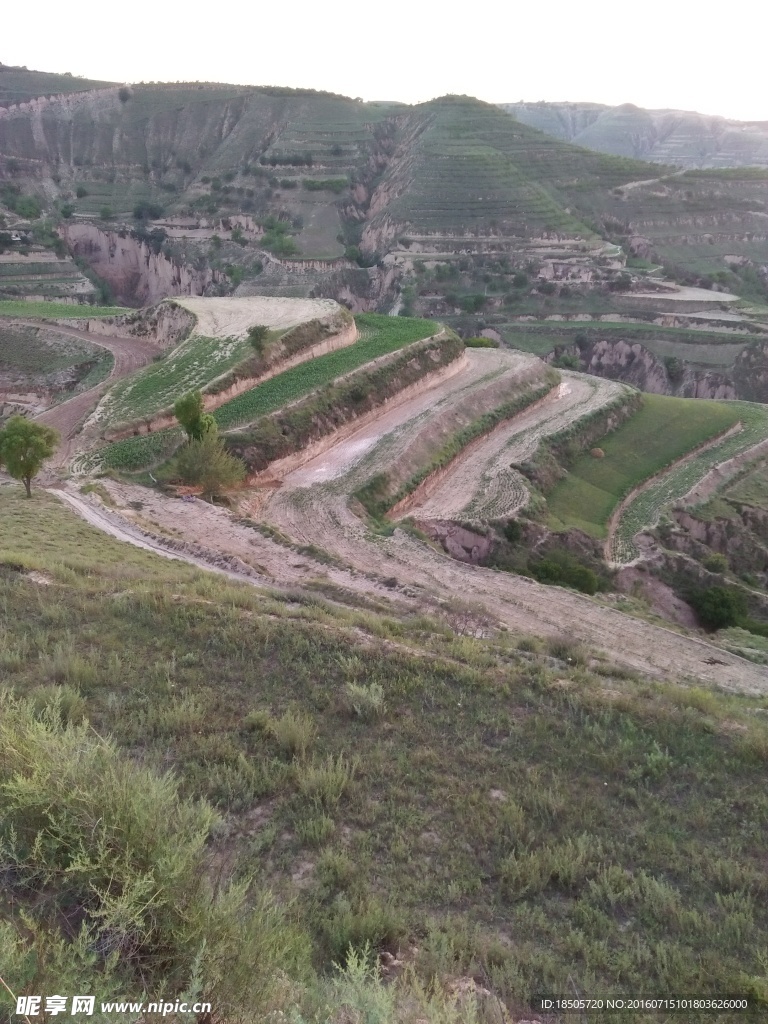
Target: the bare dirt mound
pixel 231 317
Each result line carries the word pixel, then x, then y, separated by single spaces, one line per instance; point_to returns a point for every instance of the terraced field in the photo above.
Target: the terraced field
pixel 218 343
pixel 312 508
pixel 379 336
pixel 645 511
pixel 708 348
pixel 57 310
pixel 662 431
pixel 481 485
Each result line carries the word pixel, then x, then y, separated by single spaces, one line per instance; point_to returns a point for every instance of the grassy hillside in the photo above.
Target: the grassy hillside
pixel 471 168
pixel 18 84
pixel 663 430
pixel 579 825
pixel 684 138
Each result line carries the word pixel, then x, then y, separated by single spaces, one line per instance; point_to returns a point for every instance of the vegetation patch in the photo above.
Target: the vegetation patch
pixel 649 505
pixel 527 786
pixel 661 431
pixel 379 336
pixel 57 310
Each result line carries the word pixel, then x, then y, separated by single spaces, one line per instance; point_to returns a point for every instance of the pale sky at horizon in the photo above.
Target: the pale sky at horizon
pixel 658 54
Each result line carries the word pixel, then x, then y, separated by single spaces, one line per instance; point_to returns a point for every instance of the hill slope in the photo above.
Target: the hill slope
pixel 680 137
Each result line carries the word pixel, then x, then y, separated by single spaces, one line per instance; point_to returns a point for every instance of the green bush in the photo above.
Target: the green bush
pixel 559 567
pixel 87 829
pixel 718 607
pixel 481 343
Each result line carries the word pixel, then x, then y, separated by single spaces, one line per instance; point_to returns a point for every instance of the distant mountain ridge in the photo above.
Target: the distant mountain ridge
pixel 684 138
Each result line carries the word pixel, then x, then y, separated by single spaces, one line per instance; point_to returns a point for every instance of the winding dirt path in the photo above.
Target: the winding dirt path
pixel 312 507
pixel 130 354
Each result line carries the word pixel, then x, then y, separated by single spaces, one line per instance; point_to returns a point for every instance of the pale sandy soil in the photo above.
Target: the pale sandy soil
pixel 684 294
pixel 396 427
pixel 231 317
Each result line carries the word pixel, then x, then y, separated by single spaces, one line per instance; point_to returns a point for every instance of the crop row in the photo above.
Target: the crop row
pixel 192 365
pixel 380 335
pixel 57 310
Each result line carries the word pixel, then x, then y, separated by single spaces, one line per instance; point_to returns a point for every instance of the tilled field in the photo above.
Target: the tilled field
pixel 312 510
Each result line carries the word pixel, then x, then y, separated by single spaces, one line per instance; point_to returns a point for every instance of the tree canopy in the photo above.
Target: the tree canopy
pixel 24 447
pixel 190 413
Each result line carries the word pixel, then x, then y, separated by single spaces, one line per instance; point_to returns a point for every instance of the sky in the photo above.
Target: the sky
pixel 681 54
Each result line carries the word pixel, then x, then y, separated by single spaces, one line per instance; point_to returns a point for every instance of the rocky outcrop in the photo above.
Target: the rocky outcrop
pixel 136 274
pixel 636 365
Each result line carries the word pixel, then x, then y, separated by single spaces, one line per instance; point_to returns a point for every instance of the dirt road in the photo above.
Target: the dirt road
pixel 312 508
pixel 130 354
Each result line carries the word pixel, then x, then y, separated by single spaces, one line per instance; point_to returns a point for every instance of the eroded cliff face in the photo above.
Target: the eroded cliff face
pixel 137 275
pixel 636 365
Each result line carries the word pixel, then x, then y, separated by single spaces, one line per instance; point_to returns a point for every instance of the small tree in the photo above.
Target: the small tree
pixel 190 413
pixel 257 335
pixel 24 447
pixel 205 463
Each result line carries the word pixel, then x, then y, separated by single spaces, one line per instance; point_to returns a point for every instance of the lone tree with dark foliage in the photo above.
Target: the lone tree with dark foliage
pixel 24 447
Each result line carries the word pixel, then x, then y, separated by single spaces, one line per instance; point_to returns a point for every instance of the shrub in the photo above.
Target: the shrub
pixel 718 607
pixel 294 732
pixel 113 842
pixel 81 191
pixel 324 782
pixel 481 343
pixel 257 335
pixel 559 567
pixel 146 210
pixel 316 829
pixel 366 699
pixel 715 562
pixel 205 463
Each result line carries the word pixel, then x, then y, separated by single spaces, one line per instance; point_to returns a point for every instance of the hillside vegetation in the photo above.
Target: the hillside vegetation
pixel 526 783
pixel 379 336
pixel 662 430
pixel 684 138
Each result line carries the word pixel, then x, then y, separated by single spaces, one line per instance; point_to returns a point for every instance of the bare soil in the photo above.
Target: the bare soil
pixel 231 317
pixel 130 354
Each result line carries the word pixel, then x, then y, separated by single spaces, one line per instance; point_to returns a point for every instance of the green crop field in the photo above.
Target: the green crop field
pixel 22 349
pixel 57 310
pixel 647 508
pixel 663 430
pixel 379 335
pixel 704 348
pixel 192 364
